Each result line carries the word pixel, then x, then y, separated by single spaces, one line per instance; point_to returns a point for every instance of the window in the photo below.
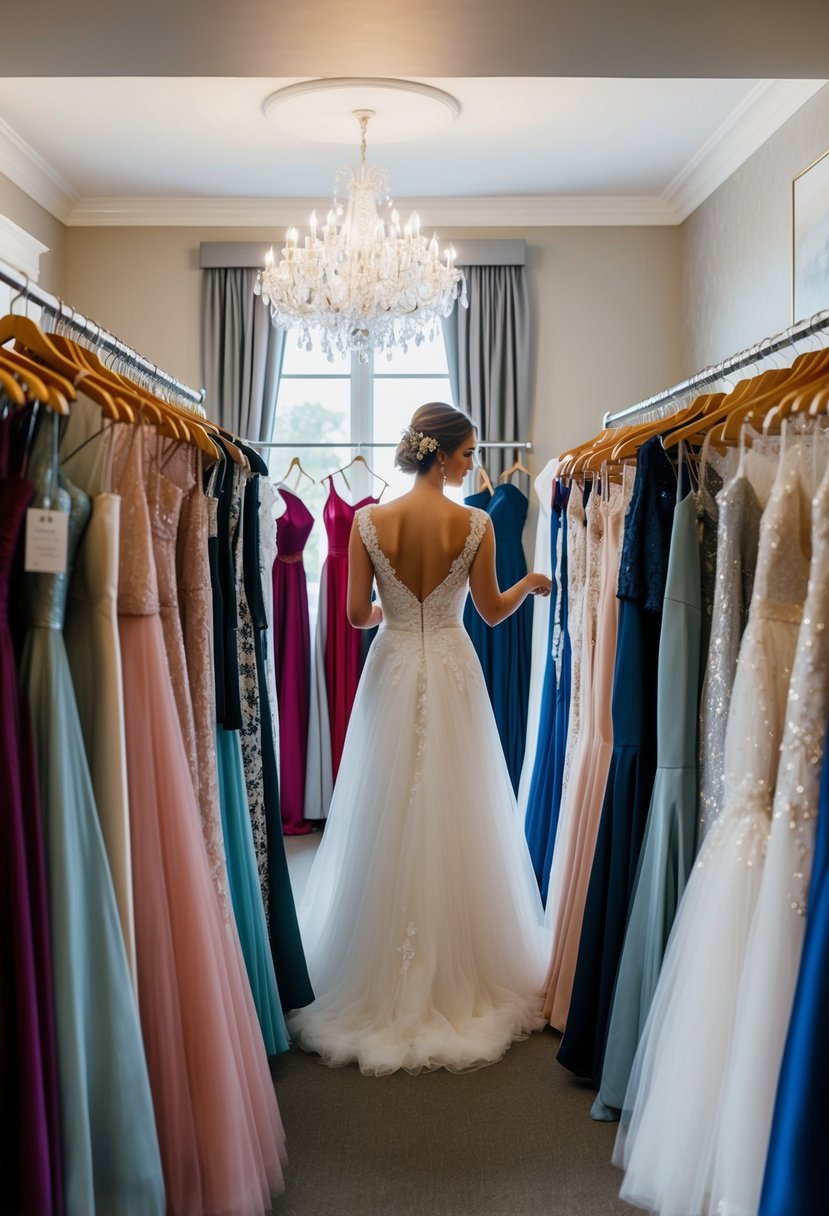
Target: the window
pixel 348 404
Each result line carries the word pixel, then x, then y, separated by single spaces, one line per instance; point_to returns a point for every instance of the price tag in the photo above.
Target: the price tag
pixel 47 539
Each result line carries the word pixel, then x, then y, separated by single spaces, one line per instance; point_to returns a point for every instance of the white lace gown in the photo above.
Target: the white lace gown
pixel 668 1135
pixel 421 919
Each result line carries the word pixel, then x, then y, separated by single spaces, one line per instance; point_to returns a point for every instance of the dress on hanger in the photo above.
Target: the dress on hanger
pixel 94 650
pixel 577 586
pixel 30 1149
pixel 545 562
pixel 769 975
pixel 218 1124
pixel 574 850
pixel 111 1157
pixel 421 915
pixel 670 1118
pixel 342 642
pixel 474 624
pixel 796 1173
pixel 292 657
pixel 640 590
pixel 541 807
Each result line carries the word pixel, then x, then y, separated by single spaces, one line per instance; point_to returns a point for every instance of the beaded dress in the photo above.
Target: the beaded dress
pixel 421 917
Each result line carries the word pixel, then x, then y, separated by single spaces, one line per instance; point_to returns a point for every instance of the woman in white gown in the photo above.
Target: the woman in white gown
pixel 422 922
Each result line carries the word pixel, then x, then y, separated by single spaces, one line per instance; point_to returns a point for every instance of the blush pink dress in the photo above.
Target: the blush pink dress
pixel 219 1129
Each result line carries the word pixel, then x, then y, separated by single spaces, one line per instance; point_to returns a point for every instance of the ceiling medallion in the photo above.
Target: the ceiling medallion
pixel 361 279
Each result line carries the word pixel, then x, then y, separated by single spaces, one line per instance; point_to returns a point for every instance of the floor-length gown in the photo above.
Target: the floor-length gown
pixel 30 1150
pixel 292 659
pixel 565 909
pixel 110 1149
pixel 797 1168
pixel 640 591
pixel 342 655
pixel 219 1128
pixel 669 1122
pixel 577 587
pixel 421 915
pixel 544 562
pixel 774 946
pixel 93 648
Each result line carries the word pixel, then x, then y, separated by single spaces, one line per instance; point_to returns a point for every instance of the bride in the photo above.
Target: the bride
pixel 422 922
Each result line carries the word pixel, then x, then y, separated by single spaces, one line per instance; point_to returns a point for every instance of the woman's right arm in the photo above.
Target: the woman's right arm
pixel 492 603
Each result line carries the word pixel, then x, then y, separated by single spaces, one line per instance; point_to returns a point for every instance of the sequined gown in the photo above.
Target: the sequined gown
pixel 421 916
pixel 111 1158
pixel 669 1124
pixel 218 1124
pixel 776 938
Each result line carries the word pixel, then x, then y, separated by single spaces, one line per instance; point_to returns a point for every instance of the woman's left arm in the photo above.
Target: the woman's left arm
pixel 362 614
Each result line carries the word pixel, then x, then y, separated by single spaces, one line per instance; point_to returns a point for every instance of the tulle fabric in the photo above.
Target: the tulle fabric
pixel 219 1128
pixel 438 867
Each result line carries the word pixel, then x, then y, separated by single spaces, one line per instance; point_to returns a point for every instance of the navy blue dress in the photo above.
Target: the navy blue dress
pixel 797 1168
pixel 506 654
pixel 641 589
pixel 544 796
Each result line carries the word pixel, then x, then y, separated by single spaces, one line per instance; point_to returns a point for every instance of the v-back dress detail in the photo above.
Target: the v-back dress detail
pixel 422 919
pixel 218 1124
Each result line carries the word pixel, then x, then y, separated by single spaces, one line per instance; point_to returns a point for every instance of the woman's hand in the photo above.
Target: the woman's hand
pixel 538 584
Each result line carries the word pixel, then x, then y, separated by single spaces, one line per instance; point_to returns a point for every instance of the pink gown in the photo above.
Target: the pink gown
pixel 342 643
pixel 219 1129
pixel 292 659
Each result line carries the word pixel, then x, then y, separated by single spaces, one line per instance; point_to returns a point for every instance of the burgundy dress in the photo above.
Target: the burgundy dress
pixel 292 659
pixel 342 642
pixel 30 1158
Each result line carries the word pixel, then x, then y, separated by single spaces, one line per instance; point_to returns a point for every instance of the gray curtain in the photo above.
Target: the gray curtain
pixel 488 351
pixel 241 353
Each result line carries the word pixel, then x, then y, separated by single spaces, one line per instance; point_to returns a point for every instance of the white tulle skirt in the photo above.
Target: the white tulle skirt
pixel 422 923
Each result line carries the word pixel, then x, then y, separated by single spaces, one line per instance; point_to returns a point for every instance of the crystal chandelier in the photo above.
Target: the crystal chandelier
pixel 361 280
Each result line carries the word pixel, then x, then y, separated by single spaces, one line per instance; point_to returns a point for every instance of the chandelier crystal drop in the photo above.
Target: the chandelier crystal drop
pixel 363 281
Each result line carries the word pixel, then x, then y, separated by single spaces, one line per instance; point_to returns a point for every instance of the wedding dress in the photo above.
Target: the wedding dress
pixel 422 921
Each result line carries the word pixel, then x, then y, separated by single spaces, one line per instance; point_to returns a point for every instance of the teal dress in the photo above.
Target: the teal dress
pixel 670 832
pixel 110 1149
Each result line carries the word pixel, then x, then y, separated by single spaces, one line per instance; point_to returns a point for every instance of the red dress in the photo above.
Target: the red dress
pixel 342 642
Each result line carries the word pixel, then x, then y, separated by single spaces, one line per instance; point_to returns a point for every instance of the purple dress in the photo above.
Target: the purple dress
pixel 292 658
pixel 30 1162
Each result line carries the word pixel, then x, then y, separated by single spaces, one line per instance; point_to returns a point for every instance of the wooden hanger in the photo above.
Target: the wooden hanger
pixel 358 459
pixel 517 466
pixel 296 464
pixel 12 388
pixel 41 383
pixel 483 480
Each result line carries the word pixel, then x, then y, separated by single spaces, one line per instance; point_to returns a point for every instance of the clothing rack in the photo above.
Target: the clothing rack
pixel 524 445
pixel 100 338
pixel 668 402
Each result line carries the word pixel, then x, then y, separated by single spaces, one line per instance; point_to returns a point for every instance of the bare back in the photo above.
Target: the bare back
pixel 421 537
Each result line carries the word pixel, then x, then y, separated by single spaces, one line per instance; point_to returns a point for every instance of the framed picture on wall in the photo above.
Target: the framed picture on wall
pixel 810 228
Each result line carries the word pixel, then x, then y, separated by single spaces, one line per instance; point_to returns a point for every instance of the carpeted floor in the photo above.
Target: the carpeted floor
pixel 513 1139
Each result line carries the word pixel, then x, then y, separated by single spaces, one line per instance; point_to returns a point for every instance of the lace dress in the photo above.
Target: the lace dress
pixel 421 916
pixel 774 946
pixel 669 1125
pixel 577 584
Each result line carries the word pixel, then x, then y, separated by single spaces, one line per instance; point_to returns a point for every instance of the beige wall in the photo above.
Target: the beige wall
pixel 737 246
pixel 606 308
pixel 34 219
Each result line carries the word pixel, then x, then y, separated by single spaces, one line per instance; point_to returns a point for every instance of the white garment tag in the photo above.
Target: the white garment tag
pixel 47 541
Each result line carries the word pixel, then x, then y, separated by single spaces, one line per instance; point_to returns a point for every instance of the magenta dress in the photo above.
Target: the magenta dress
pixel 30 1147
pixel 342 642
pixel 292 659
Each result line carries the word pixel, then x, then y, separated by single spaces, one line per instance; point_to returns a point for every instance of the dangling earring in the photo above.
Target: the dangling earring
pixel 443 472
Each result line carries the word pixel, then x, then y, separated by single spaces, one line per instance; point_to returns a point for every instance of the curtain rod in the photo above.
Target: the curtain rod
pixel 524 444
pixel 709 375
pixel 98 336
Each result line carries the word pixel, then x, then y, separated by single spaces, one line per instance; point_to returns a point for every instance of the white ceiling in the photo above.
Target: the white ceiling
pixel 98 150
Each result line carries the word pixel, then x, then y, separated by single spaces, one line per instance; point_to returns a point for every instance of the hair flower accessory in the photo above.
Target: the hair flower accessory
pixel 420 443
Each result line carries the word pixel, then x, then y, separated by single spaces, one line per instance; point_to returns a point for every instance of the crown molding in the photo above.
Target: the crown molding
pixel 20 249
pixel 24 166
pixel 761 112
pixel 501 212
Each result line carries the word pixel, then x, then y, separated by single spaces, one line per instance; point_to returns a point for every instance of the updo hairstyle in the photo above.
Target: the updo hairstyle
pixel 435 420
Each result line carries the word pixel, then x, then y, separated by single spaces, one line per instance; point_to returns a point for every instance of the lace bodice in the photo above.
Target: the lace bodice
pixel 443 607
